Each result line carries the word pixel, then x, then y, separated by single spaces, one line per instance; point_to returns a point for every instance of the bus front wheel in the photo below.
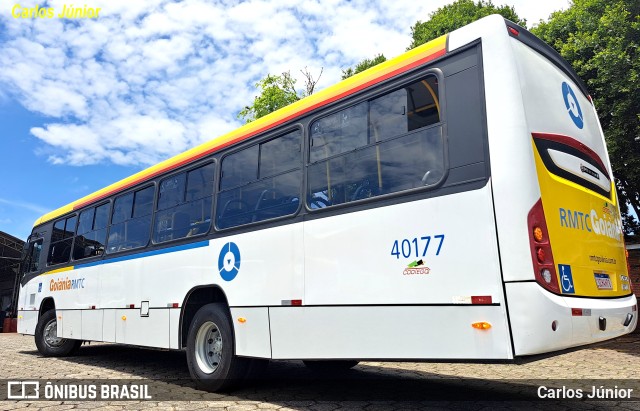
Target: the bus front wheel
pixel 211 350
pixel 47 340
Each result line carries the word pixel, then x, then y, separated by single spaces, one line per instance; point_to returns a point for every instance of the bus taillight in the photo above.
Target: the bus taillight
pixel 541 255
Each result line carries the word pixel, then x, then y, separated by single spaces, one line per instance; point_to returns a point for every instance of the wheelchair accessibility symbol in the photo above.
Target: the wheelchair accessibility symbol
pixel 571 102
pixel 229 261
pixel 566 279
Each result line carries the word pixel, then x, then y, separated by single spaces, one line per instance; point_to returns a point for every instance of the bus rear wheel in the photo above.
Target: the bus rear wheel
pixel 47 340
pixel 211 350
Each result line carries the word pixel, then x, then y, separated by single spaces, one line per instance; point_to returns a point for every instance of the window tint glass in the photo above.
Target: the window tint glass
pixel 192 214
pixel 388 116
pixel 102 216
pixel 262 200
pixel 411 161
pixel 61 240
pixel 58 230
pixel 274 194
pixel 339 132
pixel 171 191
pixel 70 227
pixel 85 223
pixel 33 258
pixel 423 103
pixel 90 244
pixel 239 168
pixel 281 154
pixel 133 233
pixel 130 224
pixel 394 151
pixel 59 252
pixel 122 208
pixel 186 220
pixel 143 202
pixel 92 233
pixel 200 182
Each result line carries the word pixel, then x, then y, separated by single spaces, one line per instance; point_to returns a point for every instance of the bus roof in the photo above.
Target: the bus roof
pixel 398 65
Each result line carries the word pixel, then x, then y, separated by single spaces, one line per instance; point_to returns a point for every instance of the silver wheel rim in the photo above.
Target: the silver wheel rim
pixel 208 347
pixel 51 334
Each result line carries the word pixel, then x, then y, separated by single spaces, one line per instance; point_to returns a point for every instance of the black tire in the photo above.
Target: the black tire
pixel 47 341
pixel 211 357
pixel 330 365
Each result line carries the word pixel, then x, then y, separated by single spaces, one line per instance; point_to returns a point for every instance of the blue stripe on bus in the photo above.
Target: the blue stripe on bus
pixel 146 254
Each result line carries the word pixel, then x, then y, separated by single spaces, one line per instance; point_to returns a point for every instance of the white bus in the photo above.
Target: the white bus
pixel 455 202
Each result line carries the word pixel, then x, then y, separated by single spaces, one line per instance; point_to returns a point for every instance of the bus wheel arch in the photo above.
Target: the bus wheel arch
pixel 46 336
pixel 46 305
pixel 195 299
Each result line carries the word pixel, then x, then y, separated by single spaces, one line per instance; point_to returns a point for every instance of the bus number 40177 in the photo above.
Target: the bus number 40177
pixel 407 247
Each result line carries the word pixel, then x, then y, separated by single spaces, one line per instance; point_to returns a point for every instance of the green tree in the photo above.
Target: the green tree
pixel 363 65
pixel 277 92
pixel 601 39
pixel 455 15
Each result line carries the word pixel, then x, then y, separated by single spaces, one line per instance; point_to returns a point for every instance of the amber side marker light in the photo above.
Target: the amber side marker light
pixel 537 234
pixel 242 320
pixel 482 325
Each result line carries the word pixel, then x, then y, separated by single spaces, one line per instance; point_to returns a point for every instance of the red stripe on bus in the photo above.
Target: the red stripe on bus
pixel 400 70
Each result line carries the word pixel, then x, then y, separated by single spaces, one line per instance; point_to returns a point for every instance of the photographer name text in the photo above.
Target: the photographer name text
pixel 600 392
pixel 68 11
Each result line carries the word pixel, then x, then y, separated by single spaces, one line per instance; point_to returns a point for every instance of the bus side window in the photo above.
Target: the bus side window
pixel 267 187
pixel 91 235
pixel 61 240
pixel 32 262
pixel 184 204
pixel 404 150
pixel 131 220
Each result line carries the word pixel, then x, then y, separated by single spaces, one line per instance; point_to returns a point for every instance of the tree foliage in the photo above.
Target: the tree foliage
pixel 600 39
pixel 455 15
pixel 277 92
pixel 363 65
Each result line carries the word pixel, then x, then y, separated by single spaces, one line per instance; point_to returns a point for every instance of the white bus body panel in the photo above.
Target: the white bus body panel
pixel 337 249
pixel 28 304
pixel 388 332
pixel 512 162
pixel 253 336
pixel 92 325
pixel 532 311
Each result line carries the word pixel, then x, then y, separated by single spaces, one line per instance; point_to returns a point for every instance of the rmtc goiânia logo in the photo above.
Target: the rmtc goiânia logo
pixel 604 222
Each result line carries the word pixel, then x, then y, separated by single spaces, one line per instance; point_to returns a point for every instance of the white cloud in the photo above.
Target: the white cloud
pixel 149 79
pixel 25 205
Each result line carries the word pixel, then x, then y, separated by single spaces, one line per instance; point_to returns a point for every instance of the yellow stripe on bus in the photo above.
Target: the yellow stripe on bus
pixel 59 270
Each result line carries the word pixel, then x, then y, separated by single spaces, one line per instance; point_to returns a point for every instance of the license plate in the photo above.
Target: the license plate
pixel 603 282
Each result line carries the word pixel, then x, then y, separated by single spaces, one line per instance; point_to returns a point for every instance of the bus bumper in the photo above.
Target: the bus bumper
pixel 542 322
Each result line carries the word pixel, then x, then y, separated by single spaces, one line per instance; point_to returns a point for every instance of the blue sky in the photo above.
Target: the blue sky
pixel 85 103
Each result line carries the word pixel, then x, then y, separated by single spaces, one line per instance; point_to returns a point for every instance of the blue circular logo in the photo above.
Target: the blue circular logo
pixel 571 102
pixel 229 261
